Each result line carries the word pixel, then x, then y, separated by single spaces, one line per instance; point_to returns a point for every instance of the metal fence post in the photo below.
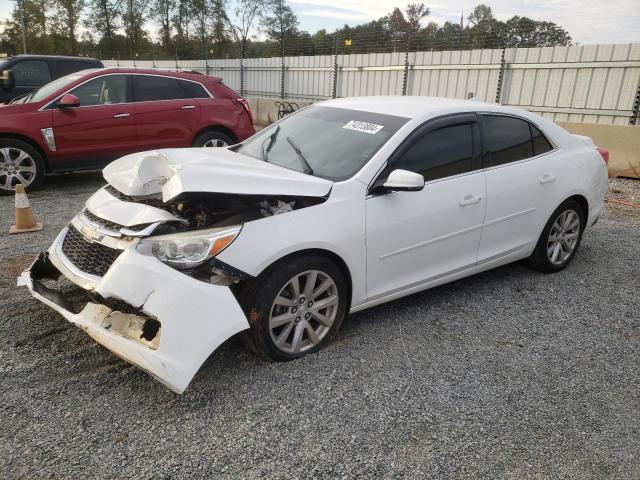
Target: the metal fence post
pixel 206 59
pixel 282 69
pixel 500 77
pixel 406 65
pixel 242 68
pixel 177 65
pixel 635 111
pixel 334 92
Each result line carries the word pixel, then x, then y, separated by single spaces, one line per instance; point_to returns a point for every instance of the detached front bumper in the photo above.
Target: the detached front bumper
pixel 151 315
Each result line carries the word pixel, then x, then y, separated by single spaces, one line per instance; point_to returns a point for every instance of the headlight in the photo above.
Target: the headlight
pixel 188 249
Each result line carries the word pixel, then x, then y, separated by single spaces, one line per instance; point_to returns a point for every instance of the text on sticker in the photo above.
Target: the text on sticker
pixel 363 127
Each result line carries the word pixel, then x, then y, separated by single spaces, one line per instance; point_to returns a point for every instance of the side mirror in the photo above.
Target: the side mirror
pixel 404 181
pixel 69 101
pixel 7 80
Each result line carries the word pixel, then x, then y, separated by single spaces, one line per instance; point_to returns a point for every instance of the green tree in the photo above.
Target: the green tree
pixel 220 20
pixel 103 18
pixel 68 14
pixel 279 21
pixel 134 16
pixel 163 11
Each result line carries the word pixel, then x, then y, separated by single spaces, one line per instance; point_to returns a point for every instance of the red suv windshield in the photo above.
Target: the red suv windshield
pixel 46 90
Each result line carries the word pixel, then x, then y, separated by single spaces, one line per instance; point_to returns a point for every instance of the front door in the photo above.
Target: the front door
pixel 415 237
pixel 101 129
pixel 29 75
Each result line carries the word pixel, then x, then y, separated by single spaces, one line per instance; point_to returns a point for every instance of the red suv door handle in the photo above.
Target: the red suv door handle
pixel 188 107
pixel 121 115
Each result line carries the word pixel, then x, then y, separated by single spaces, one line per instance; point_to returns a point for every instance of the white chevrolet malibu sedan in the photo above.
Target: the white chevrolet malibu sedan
pixel 341 206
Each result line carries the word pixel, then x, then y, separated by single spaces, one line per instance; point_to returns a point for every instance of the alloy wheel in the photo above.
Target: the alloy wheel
pixel 215 142
pixel 563 237
pixel 16 166
pixel 303 312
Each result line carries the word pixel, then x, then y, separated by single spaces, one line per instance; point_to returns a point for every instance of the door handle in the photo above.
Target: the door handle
pixel 188 107
pixel 121 115
pixel 469 200
pixel 547 179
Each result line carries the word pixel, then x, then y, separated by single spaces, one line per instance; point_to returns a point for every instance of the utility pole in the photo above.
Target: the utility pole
pixel 23 25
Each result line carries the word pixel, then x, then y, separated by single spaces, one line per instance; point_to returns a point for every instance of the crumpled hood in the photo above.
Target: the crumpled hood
pixel 215 170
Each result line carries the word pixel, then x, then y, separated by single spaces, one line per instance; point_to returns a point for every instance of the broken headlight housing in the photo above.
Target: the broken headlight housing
pixel 188 249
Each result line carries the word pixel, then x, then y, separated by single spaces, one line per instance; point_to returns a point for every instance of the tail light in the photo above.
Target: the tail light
pixel 246 106
pixel 605 154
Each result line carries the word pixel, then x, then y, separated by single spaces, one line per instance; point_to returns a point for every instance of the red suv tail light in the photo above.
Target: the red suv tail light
pixel 605 154
pixel 246 106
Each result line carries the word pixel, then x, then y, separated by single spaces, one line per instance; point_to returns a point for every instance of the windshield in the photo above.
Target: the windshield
pixel 51 87
pixel 328 142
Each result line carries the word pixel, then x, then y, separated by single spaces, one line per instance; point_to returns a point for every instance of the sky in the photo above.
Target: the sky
pixel 587 21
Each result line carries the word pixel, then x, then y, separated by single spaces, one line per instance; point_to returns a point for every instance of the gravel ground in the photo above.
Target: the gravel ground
pixel 508 374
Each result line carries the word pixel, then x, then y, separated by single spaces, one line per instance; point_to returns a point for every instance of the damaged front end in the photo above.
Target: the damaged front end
pixel 137 270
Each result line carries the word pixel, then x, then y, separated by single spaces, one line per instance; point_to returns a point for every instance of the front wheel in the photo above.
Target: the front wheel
pixel 19 163
pixel 560 238
pixel 296 308
pixel 213 139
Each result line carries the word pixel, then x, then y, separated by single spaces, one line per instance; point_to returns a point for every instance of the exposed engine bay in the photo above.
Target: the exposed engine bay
pixel 209 210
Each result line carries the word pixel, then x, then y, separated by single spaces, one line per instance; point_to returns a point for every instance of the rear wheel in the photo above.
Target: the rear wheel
pixel 560 238
pixel 213 139
pixel 296 309
pixel 19 163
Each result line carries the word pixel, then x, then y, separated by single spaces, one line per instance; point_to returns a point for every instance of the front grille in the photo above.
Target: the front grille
pixel 101 221
pixel 90 257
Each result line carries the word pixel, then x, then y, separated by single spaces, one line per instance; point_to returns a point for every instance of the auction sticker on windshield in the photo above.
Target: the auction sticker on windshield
pixel 363 127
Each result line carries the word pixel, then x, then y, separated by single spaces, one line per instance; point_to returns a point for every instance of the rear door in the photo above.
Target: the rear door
pixel 166 114
pixel 102 128
pixel 523 174
pixel 415 237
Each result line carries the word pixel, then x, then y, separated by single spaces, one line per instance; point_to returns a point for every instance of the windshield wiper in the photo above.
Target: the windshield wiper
pixel 272 140
pixel 296 148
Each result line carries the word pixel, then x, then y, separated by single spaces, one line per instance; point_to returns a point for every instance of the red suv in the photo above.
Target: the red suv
pixel 86 119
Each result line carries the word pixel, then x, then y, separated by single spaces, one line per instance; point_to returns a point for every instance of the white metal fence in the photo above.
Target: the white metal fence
pixel 590 83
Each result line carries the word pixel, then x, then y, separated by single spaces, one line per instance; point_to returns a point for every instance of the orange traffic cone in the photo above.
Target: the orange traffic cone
pixel 25 221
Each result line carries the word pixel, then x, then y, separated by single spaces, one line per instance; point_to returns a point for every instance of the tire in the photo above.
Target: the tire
pixel 19 163
pixel 213 139
pixel 269 322
pixel 552 256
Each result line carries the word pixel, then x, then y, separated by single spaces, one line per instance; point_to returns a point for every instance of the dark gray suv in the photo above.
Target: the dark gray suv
pixel 21 74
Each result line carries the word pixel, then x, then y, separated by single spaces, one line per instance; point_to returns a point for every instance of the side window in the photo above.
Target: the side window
pixel 508 139
pixel 193 89
pixel 105 90
pixel 65 67
pixel 540 143
pixel 31 73
pixel 441 153
pixel 148 88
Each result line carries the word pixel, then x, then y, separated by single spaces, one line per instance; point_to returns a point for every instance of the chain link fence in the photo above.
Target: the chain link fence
pixel 590 83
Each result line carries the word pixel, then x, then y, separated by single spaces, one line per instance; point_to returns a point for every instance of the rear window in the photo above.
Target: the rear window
pixel 149 88
pixel 540 143
pixel 65 67
pixel 193 89
pixel 508 139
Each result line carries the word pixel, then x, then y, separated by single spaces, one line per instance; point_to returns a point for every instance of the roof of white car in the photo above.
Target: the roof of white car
pixel 407 106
